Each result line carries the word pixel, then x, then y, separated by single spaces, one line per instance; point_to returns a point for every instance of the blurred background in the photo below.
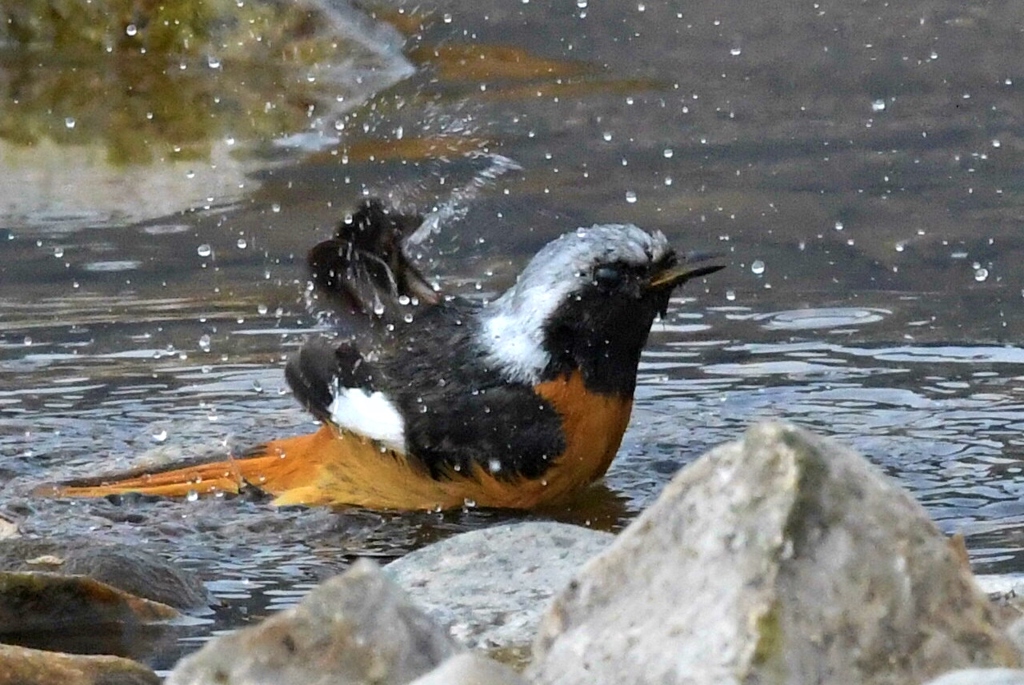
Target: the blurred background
pixel 164 169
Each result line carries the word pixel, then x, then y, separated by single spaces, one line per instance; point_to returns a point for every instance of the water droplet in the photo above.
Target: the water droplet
pixel 190 174
pixel 878 105
pixel 668 152
pixel 900 247
pixel 159 436
pixel 213 62
pixel 28 341
pixel 730 295
pixel 204 250
pixel 204 343
pixel 275 208
pixel 582 4
pixel 257 387
pixel 757 267
pixel 242 243
pixel 404 300
pixel 494 465
pixel 69 122
pixel 839 226
pixel 131 29
pixel 607 136
pixel 192 496
pixel 447 18
pixel 630 196
pixel 58 252
pixel 980 274
pixel 996 143
pixel 468 503
pixel 736 52
pixel 261 308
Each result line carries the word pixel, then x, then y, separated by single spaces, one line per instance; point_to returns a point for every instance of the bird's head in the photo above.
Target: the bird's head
pixel 586 302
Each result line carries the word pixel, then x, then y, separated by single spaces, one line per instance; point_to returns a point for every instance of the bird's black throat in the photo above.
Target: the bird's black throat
pixel 601 336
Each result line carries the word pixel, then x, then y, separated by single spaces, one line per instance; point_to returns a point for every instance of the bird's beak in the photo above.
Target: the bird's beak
pixel 676 275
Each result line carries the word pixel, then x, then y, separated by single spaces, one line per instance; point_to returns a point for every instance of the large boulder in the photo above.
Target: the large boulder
pixel 781 558
pixel 356 628
pixel 491 586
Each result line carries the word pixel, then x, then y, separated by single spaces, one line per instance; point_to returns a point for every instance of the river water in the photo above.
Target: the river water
pixel 856 163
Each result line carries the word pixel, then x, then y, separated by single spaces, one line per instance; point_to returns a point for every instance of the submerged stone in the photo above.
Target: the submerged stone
pixel 36 667
pixel 40 602
pixel 133 570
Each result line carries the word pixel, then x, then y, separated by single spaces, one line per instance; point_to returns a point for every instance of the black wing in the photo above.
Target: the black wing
pixel 364 269
pixel 363 277
pixel 458 411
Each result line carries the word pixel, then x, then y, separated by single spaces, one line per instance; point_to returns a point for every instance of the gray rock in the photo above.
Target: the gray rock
pixel 126 568
pixel 782 558
pixel 490 586
pixel 354 628
pixel 471 669
pixel 981 676
pixel 1015 631
pixel 25 666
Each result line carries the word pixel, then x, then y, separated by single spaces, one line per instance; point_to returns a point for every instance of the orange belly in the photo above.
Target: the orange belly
pixel 338 468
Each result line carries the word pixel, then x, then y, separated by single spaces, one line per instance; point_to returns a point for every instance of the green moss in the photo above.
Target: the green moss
pixel 148 80
pixel 769 637
pixel 807 513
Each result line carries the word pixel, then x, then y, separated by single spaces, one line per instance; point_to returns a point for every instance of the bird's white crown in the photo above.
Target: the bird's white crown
pixel 512 326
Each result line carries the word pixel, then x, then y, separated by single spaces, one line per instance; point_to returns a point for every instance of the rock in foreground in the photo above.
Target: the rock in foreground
pixel 782 558
pixel 354 628
pixel 981 676
pixel 491 586
pixel 471 669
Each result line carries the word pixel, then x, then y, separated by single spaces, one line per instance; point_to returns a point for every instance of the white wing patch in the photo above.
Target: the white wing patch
pixel 368 414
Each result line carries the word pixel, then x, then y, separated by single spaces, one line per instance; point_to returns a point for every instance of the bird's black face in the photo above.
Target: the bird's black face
pixel 603 324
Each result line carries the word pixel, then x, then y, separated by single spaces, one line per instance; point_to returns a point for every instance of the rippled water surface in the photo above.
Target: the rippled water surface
pixel 856 165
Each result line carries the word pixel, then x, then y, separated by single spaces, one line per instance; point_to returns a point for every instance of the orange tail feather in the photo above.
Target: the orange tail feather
pixel 267 468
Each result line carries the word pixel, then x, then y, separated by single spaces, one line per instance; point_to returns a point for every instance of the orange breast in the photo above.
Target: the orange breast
pixel 593 425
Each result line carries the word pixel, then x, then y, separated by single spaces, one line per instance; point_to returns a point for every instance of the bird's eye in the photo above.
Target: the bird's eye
pixel 608 276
